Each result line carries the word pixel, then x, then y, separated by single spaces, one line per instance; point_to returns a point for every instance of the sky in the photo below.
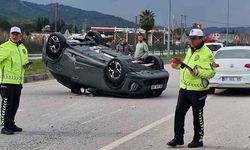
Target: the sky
pixel 210 13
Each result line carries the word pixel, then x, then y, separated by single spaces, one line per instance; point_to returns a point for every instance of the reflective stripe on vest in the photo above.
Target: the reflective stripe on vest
pixel 12 77
pixel 192 84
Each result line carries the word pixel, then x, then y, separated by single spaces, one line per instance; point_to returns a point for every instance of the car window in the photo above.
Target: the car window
pixel 214 47
pixel 236 53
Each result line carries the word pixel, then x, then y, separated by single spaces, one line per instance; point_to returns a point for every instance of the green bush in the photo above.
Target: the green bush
pixel 37 67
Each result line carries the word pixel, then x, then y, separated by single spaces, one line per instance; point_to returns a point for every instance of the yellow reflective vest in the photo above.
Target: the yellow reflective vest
pixel 202 61
pixel 12 58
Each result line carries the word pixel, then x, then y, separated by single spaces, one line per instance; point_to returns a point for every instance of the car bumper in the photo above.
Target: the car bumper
pixel 143 84
pixel 241 81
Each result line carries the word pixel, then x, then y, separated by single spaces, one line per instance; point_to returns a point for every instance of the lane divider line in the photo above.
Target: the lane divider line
pixel 136 133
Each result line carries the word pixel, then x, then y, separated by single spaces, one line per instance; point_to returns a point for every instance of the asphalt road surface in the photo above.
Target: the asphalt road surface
pixel 53 119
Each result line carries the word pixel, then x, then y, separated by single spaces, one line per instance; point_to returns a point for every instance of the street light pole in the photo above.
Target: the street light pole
pixel 136 26
pixel 56 15
pixel 227 21
pixel 169 22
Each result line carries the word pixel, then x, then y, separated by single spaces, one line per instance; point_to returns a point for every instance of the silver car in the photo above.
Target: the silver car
pixel 232 66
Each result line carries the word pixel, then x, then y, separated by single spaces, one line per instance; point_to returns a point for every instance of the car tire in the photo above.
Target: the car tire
pixel 158 63
pixel 115 71
pixel 211 91
pixel 55 45
pixel 96 36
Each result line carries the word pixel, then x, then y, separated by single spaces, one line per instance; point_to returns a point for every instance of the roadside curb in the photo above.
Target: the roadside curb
pixel 38 77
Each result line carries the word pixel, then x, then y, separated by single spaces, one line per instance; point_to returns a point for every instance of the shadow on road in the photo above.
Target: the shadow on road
pixel 233 92
pixel 223 148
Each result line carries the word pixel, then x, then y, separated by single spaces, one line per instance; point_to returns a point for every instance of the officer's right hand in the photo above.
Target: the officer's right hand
pixel 174 66
pixel 175 63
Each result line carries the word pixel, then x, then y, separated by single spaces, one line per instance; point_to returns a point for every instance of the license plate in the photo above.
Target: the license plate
pixel 231 78
pixel 156 86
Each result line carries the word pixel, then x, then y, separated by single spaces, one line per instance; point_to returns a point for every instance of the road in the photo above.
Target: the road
pixel 53 118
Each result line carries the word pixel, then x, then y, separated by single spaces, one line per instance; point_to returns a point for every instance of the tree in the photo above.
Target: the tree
pixel 5 25
pixel 194 26
pixel 26 25
pixel 41 22
pixel 60 25
pixel 147 21
pixel 179 31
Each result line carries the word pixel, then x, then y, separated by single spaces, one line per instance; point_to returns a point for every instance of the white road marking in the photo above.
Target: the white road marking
pixel 100 117
pixel 133 106
pixel 136 133
pixel 44 115
pixel 140 131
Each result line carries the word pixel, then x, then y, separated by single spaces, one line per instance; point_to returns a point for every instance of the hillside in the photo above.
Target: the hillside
pixel 13 9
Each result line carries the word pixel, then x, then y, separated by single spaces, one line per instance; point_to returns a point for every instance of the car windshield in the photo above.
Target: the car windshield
pixel 234 53
pixel 214 47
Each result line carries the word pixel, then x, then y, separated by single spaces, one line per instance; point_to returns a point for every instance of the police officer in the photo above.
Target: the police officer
pixel 13 62
pixel 195 71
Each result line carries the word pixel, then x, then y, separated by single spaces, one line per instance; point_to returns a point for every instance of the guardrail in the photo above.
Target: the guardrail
pixel 35 56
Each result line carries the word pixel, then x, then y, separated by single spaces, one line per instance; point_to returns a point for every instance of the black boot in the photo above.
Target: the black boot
pixel 174 142
pixel 16 128
pixel 195 144
pixel 6 131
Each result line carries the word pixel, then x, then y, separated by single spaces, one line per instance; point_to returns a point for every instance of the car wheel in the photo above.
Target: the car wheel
pixel 96 37
pixel 55 44
pixel 156 61
pixel 115 71
pixel 211 91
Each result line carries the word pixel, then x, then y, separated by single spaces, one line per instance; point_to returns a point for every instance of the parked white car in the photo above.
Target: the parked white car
pixel 214 46
pixel 232 66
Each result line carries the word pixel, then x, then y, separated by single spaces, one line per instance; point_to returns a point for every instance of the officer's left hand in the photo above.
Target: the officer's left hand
pixel 193 72
pixel 26 66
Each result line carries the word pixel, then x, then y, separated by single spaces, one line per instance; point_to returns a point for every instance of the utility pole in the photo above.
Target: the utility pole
pixel 227 21
pixel 172 34
pixel 136 26
pixel 182 25
pixel 172 29
pixel 185 22
pixel 85 25
pixel 56 15
pixel 185 27
pixel 169 22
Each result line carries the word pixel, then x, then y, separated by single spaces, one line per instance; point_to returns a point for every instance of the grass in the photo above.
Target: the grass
pixel 37 67
pixel 169 58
